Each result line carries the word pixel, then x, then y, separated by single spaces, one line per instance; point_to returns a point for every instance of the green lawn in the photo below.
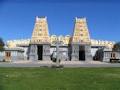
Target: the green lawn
pixel 60 79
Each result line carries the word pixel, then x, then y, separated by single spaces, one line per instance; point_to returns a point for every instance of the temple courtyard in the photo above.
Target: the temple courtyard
pixel 59 78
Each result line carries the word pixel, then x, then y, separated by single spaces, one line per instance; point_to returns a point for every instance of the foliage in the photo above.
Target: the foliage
pixel 116 47
pixel 99 54
pixel 1 44
pixel 59 66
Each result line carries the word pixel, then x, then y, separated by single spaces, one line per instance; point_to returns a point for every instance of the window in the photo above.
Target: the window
pixel 81 34
pixel 39 34
pixel 81 29
pixel 113 55
pixel 82 41
pixel 8 54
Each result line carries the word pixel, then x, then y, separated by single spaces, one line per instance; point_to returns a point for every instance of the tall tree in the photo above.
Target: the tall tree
pixel 1 44
pixel 116 47
pixel 99 55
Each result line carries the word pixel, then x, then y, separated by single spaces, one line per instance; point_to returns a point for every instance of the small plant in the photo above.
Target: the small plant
pixel 55 66
pixel 54 59
pixel 1 44
pixel 4 60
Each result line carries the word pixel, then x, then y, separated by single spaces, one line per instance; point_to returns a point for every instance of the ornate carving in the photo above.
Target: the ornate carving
pixel 40 33
pixel 81 33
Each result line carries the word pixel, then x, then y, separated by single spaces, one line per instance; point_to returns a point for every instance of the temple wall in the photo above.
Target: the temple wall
pixel 14 56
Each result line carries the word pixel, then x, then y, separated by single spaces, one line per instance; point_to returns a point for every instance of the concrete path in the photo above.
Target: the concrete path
pixel 65 63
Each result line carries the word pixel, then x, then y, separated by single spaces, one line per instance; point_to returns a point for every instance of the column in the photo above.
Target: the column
pixel 88 55
pixel 75 52
pixel 33 52
pixel 46 52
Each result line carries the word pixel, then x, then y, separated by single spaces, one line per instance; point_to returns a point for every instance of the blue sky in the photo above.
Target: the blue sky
pixel 17 17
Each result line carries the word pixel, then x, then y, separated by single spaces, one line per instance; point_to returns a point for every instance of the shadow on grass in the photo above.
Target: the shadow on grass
pixel 1 87
pixel 1 82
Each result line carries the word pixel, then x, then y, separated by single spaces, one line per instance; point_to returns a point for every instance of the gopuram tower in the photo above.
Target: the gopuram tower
pixel 80 41
pixel 40 41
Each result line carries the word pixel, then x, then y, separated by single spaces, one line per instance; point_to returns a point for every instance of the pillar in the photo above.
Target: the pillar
pixel 33 52
pixel 75 52
pixel 46 52
pixel 88 55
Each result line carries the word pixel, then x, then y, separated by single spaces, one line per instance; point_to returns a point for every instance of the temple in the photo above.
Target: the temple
pixel 80 41
pixel 77 48
pixel 40 42
pixel 44 47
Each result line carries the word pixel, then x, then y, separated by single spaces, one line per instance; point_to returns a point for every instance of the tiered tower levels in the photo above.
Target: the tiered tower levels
pixel 81 33
pixel 40 33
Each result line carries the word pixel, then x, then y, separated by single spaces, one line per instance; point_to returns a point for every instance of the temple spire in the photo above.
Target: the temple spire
pixel 81 33
pixel 40 33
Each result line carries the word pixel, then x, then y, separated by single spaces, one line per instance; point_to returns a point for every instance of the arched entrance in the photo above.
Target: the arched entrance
pixel 82 53
pixel 40 52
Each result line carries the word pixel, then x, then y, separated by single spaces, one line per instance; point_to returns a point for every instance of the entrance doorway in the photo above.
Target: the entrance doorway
pixel 82 53
pixel 40 52
pixel 7 56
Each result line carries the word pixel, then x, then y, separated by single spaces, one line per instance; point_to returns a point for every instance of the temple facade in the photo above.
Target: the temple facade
pixel 77 48
pixel 39 47
pixel 80 42
pixel 42 46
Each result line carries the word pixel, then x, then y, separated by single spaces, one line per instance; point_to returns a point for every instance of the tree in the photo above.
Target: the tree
pixel 1 44
pixel 116 47
pixel 99 55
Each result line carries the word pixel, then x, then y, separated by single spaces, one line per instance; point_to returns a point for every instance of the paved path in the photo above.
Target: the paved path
pixel 66 64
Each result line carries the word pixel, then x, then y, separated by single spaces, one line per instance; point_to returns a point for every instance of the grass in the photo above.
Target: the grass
pixel 60 79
